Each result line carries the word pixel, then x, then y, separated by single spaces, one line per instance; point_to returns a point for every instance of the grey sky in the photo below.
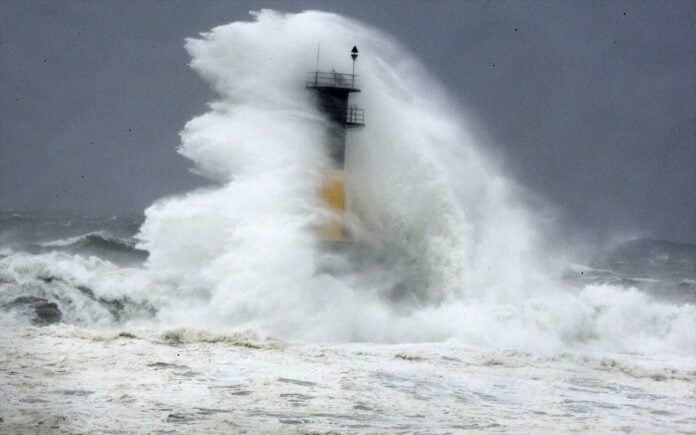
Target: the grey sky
pixel 590 104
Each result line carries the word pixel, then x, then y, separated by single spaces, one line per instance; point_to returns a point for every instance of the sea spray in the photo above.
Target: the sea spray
pixel 456 252
pixel 246 244
pixel 448 248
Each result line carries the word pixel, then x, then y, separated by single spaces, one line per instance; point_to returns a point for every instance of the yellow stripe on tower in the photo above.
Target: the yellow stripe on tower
pixel 333 196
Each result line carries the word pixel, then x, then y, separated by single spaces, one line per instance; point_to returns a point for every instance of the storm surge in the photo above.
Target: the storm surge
pixel 445 246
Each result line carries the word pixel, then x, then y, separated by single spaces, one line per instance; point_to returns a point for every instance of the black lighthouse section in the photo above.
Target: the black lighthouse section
pixel 333 90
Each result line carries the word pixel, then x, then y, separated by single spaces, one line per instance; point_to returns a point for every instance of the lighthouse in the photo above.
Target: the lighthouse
pixel 333 91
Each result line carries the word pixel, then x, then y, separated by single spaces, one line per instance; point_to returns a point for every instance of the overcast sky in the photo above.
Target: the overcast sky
pixel 590 104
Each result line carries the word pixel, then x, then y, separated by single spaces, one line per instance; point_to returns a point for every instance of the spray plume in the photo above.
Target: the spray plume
pixel 451 251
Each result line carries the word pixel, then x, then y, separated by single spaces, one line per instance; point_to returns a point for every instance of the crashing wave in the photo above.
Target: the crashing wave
pixel 430 207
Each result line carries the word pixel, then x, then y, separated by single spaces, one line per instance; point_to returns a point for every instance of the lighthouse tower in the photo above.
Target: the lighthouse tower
pixel 333 91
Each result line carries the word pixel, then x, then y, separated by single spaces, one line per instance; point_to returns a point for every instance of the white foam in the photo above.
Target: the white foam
pixel 241 254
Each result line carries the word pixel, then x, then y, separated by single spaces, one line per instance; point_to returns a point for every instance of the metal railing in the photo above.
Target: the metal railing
pixel 331 80
pixel 355 116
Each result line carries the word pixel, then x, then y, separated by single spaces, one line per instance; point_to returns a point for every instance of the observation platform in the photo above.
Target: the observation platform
pixel 332 80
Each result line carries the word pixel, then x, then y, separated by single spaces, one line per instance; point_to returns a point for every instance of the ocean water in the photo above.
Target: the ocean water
pixel 453 309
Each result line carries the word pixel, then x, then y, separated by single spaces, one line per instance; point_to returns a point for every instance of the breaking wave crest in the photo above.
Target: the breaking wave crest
pixel 96 239
pixel 100 244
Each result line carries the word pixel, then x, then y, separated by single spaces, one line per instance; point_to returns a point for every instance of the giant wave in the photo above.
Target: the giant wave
pixel 426 200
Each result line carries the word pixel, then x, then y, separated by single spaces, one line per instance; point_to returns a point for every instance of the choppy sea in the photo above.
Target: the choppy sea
pixel 72 361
